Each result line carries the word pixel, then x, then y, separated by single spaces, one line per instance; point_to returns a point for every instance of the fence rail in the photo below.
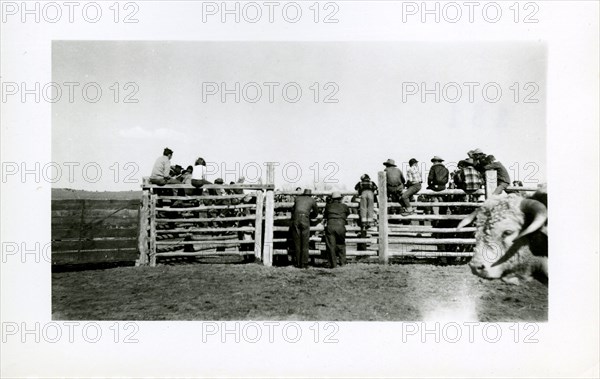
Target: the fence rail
pixel 256 224
pixel 94 231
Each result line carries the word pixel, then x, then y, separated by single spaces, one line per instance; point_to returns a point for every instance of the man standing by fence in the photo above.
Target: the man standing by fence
pixel 335 217
pixel 367 190
pixel 304 209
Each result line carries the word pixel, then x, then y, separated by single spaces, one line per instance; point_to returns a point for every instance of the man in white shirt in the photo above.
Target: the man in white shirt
pixel 199 173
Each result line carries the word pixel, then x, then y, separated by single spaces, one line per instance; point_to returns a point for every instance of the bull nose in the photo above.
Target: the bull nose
pixel 476 266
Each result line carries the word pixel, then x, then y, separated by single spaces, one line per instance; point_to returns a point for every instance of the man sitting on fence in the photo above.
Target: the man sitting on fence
pixel 199 174
pixel 395 182
pixel 335 217
pixel 186 175
pixel 161 172
pixel 502 177
pixel 436 181
pixel 413 182
pixel 304 209
pixel 478 158
pixel 468 178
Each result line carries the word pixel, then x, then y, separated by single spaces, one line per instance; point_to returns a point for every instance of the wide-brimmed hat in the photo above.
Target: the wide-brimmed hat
pixel 307 191
pixel 412 161
pixel 437 159
pixel 390 162
pixel 468 162
pixel 336 195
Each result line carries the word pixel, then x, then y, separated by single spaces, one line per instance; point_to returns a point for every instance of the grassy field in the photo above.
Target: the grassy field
pixel 204 290
pixel 70 194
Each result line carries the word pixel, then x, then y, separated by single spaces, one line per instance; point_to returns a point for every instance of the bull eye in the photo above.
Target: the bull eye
pixel 507 233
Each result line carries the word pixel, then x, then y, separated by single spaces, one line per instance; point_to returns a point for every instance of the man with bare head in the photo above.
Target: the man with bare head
pixel 162 169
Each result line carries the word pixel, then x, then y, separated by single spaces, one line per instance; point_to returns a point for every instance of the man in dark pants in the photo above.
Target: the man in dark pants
pixel 395 182
pixel 304 209
pixel 413 184
pixel 436 181
pixel 335 215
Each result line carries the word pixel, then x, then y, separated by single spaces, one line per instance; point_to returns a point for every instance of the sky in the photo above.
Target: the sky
pixel 374 109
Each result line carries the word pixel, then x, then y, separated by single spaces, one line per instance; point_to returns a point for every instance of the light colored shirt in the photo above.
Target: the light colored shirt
pixel 199 172
pixel 162 167
pixel 413 175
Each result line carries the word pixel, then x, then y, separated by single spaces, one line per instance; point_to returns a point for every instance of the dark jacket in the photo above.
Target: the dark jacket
pixel 438 177
pixel 502 173
pixel 365 185
pixel 336 210
pixel 305 204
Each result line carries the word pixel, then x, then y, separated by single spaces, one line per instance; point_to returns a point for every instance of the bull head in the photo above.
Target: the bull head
pixel 500 248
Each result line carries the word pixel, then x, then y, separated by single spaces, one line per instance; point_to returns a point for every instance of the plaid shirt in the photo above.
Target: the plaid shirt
pixel 472 179
pixel 413 175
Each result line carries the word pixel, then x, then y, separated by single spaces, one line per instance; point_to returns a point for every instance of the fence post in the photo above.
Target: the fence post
pixel 383 219
pixel 269 217
pixel 153 230
pixel 491 182
pixel 258 225
pixel 143 229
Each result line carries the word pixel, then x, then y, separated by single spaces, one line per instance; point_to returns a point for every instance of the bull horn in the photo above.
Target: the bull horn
pixel 466 221
pixel 538 211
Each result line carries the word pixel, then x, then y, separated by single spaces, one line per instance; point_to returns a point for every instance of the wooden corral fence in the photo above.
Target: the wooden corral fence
pixel 94 231
pixel 176 221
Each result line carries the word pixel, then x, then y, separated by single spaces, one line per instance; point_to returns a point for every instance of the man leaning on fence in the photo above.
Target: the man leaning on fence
pixel 366 190
pixel 304 209
pixel 335 216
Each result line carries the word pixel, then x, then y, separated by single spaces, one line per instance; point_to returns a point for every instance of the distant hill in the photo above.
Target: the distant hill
pixel 67 193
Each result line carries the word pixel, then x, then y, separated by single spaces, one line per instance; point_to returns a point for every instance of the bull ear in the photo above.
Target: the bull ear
pixel 537 211
pixel 467 220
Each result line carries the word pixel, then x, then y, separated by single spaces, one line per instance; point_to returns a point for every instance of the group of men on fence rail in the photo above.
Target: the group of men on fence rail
pixel 469 176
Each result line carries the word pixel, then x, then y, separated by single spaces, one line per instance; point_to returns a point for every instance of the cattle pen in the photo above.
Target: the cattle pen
pixel 176 222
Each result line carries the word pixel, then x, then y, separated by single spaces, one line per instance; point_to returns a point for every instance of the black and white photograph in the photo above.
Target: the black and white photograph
pixel 300 189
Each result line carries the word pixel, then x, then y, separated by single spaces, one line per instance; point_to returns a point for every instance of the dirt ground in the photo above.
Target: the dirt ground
pixel 204 290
